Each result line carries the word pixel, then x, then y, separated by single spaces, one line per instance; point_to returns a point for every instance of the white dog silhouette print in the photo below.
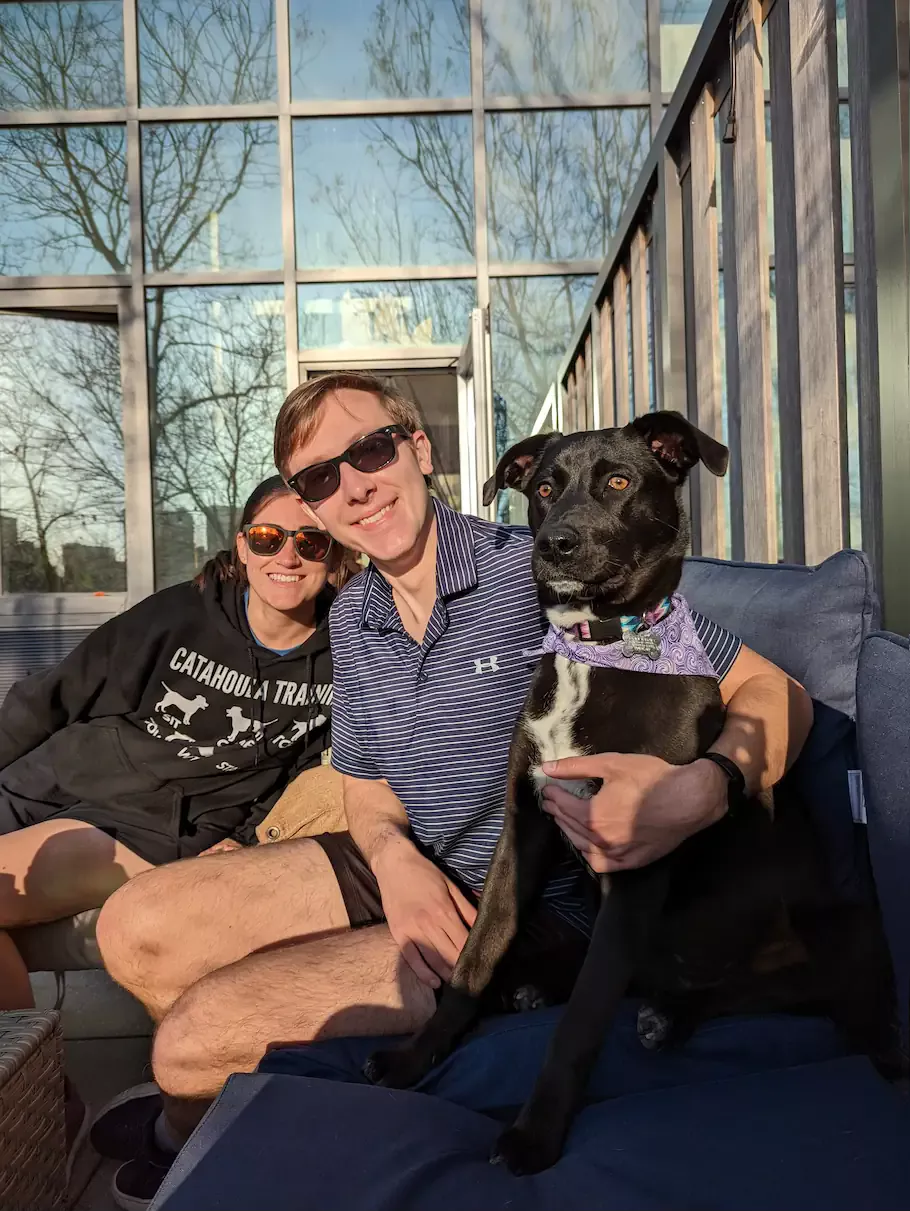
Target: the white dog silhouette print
pixel 189 706
pixel 241 724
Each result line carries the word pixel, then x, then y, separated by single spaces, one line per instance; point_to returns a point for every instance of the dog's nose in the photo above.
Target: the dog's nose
pixel 563 541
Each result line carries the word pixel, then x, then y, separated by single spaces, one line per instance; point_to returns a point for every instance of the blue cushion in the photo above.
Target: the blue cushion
pixel 883 727
pixel 811 622
pixel 494 1069
pixel 830 1136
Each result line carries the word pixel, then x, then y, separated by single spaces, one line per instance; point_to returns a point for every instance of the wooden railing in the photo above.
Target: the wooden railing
pixel 681 313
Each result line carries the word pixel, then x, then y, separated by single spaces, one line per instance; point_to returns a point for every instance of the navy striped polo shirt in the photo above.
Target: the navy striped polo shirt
pixel 436 719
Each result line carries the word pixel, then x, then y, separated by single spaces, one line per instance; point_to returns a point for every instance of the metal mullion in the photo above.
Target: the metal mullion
pixel 481 231
pixel 38 300
pixel 582 100
pixel 379 107
pixel 207 277
pixel 654 63
pixel 137 453
pixel 62 281
pixel 206 113
pixel 286 174
pixel 532 269
pixel 385 273
pixel 381 355
pixel 63 117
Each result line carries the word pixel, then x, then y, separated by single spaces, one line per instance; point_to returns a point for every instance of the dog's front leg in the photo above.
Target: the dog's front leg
pixel 631 904
pixel 516 877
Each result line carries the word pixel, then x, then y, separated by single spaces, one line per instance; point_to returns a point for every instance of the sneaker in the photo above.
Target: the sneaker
pixel 123 1129
pixel 136 1183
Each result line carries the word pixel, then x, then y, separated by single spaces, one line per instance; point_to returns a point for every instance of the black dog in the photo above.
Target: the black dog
pixel 739 916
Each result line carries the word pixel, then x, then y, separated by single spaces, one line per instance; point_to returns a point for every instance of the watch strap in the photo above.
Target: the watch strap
pixel 736 791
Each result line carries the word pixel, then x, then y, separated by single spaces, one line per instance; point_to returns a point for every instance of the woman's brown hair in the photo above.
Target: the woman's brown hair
pixel 227 566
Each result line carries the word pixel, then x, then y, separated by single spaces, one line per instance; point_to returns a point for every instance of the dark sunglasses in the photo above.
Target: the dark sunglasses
pixel 370 453
pixel 264 538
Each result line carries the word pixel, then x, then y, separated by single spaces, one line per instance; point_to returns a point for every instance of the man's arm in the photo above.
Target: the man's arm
pixel 427 914
pixel 647 807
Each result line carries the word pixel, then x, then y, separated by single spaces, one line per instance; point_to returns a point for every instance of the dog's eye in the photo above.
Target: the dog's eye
pixel 544 490
pixel 618 482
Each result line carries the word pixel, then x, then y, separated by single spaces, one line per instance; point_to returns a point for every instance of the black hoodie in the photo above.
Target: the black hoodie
pixel 169 727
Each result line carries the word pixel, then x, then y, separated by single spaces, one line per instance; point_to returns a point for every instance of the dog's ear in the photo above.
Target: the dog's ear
pixel 517 465
pixel 678 445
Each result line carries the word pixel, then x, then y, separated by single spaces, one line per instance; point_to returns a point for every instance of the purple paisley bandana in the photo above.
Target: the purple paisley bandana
pixel 681 651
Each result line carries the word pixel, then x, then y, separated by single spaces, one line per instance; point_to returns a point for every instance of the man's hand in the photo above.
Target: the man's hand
pixel 428 916
pixel 224 846
pixel 645 808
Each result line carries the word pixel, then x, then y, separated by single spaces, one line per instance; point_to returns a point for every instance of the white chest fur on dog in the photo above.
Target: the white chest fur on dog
pixel 554 733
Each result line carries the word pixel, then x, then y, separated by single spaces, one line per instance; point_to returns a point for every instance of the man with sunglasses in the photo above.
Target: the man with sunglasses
pixel 433 648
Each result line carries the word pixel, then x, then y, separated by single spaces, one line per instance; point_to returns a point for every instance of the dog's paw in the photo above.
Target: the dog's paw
pixel 525 1151
pixel 397 1068
pixel 654 1027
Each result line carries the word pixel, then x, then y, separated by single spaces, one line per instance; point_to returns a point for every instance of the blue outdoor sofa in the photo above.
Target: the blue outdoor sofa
pixel 753 1113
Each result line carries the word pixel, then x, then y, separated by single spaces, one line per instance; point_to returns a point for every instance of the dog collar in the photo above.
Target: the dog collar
pixel 669 644
pixel 611 630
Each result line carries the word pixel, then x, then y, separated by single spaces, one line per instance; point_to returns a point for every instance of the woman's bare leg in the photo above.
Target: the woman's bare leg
pixel 15 988
pixel 60 867
pixel 48 871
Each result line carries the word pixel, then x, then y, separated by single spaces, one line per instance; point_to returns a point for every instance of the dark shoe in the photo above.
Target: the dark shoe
pixel 136 1183
pixel 123 1129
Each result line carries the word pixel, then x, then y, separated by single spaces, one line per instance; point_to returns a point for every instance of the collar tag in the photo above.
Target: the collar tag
pixel 641 643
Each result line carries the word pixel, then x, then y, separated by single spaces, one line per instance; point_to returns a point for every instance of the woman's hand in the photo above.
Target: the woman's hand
pixel 427 915
pixel 224 846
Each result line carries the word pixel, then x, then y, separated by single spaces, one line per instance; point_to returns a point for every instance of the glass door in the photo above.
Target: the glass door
pixel 475 415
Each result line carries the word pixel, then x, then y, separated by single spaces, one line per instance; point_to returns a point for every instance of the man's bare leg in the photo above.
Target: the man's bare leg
pixel 166 929
pixel 354 983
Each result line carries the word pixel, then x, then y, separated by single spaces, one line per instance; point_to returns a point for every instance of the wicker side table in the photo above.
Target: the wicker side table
pixel 32 1133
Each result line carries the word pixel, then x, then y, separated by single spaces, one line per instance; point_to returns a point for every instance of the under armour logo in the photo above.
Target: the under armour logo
pixel 487 664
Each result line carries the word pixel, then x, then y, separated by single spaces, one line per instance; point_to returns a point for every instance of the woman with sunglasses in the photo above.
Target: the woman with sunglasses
pixel 172 729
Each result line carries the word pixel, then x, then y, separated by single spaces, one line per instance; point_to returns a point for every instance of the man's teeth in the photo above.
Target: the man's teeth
pixel 374 517
pixel 283 579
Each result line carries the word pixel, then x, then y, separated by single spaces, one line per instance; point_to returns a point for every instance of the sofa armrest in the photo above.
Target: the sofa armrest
pixel 312 804
pixel 883 736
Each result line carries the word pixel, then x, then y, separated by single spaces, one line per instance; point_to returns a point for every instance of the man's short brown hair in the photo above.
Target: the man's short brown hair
pixel 300 411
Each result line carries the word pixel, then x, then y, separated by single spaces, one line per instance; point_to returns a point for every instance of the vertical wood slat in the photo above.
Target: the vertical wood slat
pixel 819 274
pixel 753 313
pixel 581 393
pixel 866 288
pixel 785 253
pixel 641 379
pixel 705 315
pixel 730 284
pixel 607 400
pixel 669 308
pixel 588 419
pixel 621 346
pixel 691 497
pixel 568 423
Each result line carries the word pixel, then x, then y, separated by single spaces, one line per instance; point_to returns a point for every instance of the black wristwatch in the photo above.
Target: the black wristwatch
pixel 736 789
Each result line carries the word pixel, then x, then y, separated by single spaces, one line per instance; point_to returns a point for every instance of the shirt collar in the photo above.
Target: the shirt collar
pixel 456 569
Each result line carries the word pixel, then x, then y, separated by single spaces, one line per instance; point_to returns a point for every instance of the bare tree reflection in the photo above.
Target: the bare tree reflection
pixel 559 49
pixel 216 365
pixel 558 180
pixel 206 52
pixel 61 449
